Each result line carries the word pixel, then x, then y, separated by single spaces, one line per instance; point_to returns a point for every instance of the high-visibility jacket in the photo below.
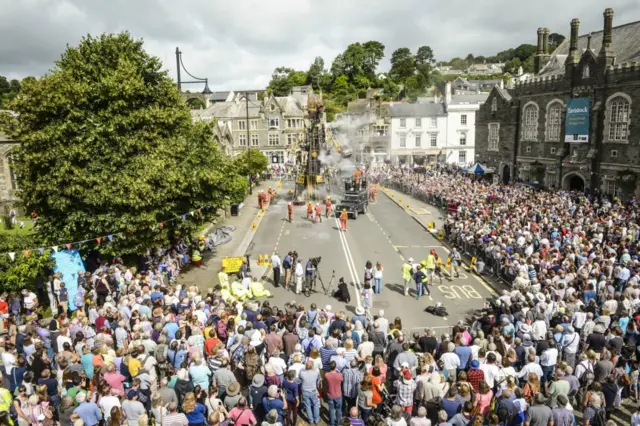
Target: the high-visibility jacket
pixel 406 271
pixel 431 262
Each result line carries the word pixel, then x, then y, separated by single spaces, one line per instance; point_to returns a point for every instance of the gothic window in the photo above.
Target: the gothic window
pixel 554 121
pixel 530 122
pixel 585 71
pixel 619 109
pixel 494 136
pixel 494 105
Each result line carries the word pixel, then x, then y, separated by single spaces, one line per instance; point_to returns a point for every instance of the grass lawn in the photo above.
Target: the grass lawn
pixel 28 227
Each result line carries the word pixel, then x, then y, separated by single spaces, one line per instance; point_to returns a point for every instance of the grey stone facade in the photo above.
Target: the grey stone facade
pixel 275 124
pixel 600 66
pixel 8 183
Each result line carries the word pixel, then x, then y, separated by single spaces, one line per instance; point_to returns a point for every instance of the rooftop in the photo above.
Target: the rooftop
pixel 417 110
pixel 626 45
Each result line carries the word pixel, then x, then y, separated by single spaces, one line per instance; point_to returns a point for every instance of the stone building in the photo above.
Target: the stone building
pixel 274 124
pixel 366 126
pixel 8 182
pixel 521 131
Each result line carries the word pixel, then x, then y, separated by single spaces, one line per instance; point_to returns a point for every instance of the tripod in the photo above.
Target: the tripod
pixel 317 276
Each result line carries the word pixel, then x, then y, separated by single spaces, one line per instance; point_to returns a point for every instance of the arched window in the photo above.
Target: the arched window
pixel 530 122
pixel 554 121
pixel 619 109
pixel 585 71
pixel 494 105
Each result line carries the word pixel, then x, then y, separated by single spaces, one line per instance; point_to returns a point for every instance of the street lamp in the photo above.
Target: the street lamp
pixel 246 101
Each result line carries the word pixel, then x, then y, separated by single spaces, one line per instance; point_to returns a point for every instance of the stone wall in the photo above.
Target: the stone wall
pixel 7 181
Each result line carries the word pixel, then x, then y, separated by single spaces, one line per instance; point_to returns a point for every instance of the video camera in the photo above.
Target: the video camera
pixel 315 261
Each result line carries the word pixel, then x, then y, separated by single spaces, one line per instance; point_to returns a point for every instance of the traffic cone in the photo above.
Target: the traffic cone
pixel 407 206
pixel 253 226
pixel 400 200
pixel 267 262
pixel 260 260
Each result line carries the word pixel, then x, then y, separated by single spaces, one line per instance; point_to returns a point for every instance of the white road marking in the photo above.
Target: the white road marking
pixel 349 259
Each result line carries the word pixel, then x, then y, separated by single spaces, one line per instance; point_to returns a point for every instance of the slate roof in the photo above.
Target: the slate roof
pixel 219 96
pixel 626 45
pixel 504 92
pixel 417 110
pixel 469 99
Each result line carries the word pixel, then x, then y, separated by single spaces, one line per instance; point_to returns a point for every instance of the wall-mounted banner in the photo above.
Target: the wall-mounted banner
pixel 577 121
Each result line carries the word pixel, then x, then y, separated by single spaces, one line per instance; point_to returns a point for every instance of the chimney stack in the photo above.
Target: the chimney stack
pixel 606 52
pixel 447 93
pixel 542 54
pixel 540 41
pixel 574 56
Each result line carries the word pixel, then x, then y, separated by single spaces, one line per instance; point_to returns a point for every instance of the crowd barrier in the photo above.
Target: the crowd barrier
pixel 467 245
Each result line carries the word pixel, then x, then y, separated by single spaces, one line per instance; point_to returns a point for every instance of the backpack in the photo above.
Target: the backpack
pixel 502 412
pixel 161 353
pixel 587 377
pixel 600 419
pixel 286 264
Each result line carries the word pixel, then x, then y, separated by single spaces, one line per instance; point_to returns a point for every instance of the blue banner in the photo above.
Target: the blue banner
pixel 577 121
pixel 69 264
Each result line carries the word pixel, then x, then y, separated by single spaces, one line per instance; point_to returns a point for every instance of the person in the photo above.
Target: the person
pixel 276 264
pixel 287 264
pixel 377 277
pixel 407 272
pixel 328 205
pixel 365 402
pixel 333 384
pixel 318 215
pixel 88 411
pixel 241 414
pixel 194 410
pixel 539 414
pixel 290 212
pixel 132 407
pixel 299 273
pixel 344 216
pixel 310 211
pixel 173 417
pixel 310 382
pixel 63 298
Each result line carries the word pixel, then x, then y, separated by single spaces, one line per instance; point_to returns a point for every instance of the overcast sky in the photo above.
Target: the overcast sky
pixel 238 43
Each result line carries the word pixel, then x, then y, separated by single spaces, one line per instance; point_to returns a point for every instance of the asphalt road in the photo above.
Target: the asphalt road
pixel 386 234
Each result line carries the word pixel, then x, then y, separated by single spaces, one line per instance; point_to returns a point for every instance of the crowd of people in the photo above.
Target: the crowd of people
pixel 559 348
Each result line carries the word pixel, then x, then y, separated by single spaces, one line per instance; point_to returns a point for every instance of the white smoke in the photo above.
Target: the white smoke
pixel 343 129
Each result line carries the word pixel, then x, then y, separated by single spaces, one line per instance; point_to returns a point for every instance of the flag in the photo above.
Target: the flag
pixel 55 248
pixel 200 210
pixel 12 255
pixel 26 253
pixel 191 213
pixel 99 239
pixel 68 246
pixel 184 217
pixel 41 250
pixel 110 237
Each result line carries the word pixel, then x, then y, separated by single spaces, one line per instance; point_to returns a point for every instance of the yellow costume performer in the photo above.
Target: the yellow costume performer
pixel 239 291
pixel 258 290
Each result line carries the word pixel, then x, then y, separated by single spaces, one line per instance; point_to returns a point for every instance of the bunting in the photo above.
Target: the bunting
pixel 160 225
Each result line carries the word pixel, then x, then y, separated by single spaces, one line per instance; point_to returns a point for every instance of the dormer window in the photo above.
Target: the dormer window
pixel 274 122
pixel 585 71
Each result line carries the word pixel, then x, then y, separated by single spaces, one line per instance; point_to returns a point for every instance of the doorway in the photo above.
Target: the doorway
pixel 506 174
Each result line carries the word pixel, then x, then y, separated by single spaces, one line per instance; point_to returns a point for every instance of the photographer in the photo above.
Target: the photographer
pixel 287 263
pixel 308 275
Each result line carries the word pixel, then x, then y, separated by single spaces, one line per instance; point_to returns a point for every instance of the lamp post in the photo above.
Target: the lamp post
pixel 246 101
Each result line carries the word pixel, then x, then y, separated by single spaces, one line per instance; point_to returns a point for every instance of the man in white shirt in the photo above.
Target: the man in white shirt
pixel 490 370
pixel 539 328
pixel 9 358
pixel 548 360
pixel 276 265
pixel 299 276
pixel 531 367
pixel 108 402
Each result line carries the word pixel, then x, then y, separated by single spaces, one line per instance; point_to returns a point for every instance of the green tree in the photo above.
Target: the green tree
pixel 373 54
pixel 424 56
pixel 251 160
pixel 341 84
pixel 512 66
pixel 22 271
pixel 5 86
pixel 554 41
pixel 524 51
pixel 108 147
pixel 316 73
pixel 402 65
pixel 338 66
pixel 283 79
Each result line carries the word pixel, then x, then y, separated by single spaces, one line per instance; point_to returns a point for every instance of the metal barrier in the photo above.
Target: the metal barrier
pixel 496 268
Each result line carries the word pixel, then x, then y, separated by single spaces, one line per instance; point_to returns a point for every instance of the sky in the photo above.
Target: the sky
pixel 237 44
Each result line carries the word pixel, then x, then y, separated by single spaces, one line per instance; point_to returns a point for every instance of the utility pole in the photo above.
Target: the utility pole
pixel 246 101
pixel 178 68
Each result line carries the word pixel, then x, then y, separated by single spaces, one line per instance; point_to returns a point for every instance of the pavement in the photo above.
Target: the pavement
pixel 205 277
pixel 388 234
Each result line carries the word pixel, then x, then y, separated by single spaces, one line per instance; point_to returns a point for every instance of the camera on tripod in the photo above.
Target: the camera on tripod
pixel 315 261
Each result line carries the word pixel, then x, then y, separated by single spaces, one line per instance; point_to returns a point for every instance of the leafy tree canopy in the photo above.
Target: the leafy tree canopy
pixel 24 269
pixel 109 147
pixel 251 160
